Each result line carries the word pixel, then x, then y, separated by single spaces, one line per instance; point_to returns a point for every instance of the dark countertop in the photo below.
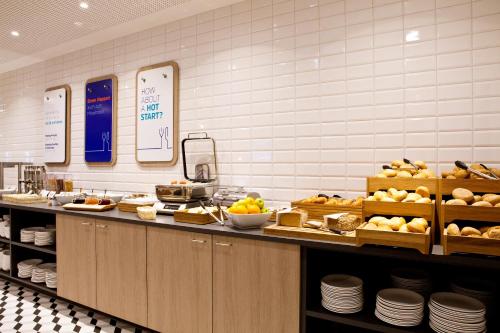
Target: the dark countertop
pixel 164 221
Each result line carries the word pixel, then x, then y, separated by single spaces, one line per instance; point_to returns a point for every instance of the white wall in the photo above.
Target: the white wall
pixel 301 95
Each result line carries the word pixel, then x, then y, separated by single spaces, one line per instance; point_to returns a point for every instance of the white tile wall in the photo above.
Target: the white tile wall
pixel 301 95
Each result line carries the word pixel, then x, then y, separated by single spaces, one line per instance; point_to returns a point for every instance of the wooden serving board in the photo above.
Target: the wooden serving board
pixel 317 211
pixel 185 217
pixel 420 242
pixel 131 207
pixel 89 208
pixel 476 245
pixel 308 233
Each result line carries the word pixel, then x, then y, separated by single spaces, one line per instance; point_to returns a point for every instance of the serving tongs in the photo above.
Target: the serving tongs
pixel 407 161
pixel 464 166
pixel 489 170
pixel 219 219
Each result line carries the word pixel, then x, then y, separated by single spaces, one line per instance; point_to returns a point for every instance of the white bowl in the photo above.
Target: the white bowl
pixel 116 197
pixel 249 221
pixel 64 198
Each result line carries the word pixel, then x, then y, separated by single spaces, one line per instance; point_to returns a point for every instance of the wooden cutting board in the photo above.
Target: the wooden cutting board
pixel 89 208
pixel 308 233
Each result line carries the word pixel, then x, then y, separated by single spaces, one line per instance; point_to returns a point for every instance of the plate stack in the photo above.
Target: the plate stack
pixel 481 290
pixel 28 234
pixel 39 272
pixel 455 313
pixel 25 268
pixel 400 307
pixel 45 237
pixel 51 277
pixel 342 293
pixel 412 279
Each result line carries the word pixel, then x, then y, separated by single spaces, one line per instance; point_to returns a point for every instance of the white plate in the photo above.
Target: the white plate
pixel 405 323
pixel 400 297
pixel 342 281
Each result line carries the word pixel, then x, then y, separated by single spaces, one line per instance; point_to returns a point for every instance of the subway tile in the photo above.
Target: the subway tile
pixel 486 56
pixel 414 6
pixel 453 13
pixel 486 23
pixel 455 139
pixel 455 91
pixel 485 7
pixel 486 39
pixel 454 75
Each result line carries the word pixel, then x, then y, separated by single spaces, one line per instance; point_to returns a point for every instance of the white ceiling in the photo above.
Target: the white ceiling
pixel 48 28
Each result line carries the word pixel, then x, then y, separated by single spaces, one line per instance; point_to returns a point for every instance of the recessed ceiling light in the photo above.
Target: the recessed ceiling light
pixel 14 33
pixel 84 5
pixel 78 24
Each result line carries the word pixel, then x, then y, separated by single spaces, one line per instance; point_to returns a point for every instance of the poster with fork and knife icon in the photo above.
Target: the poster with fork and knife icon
pixel 157 114
pixel 100 120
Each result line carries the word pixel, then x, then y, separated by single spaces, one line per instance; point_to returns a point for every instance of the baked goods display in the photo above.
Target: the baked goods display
pixel 406 169
pixel 461 173
pixel 490 232
pixel 324 199
pixel 293 217
pixel 420 195
pixel 417 225
pixel 342 222
pixel 465 197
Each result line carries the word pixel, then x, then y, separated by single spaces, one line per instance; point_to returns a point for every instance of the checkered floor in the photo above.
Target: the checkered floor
pixel 25 310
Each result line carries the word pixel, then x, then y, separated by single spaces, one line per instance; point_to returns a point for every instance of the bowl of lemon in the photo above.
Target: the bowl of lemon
pixel 248 213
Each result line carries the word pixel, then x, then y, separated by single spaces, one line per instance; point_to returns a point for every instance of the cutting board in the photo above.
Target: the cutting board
pixel 308 233
pixel 89 208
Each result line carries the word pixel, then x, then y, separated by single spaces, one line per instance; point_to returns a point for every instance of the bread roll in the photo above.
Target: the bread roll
pixel 421 175
pixel 376 219
pixel 477 198
pixel 484 229
pixel 485 235
pixel 420 164
pixel 463 194
pixel 384 228
pixel 400 195
pixel 371 226
pixel 453 230
pixel 445 174
pixel 494 233
pixel 468 231
pixel 387 199
pixel 404 228
pixel 404 174
pixel 370 198
pixel 497 205
pixel 423 191
pixel 456 202
pixel 396 222
pixel 424 200
pixel 487 195
pixel 358 202
pixel 380 175
pixel 416 227
pixel 493 199
pixel 391 192
pixel 412 197
pixel 461 174
pixel 379 195
pixel 422 221
pixel 389 172
pixel 397 163
pixel 451 177
pixel 482 204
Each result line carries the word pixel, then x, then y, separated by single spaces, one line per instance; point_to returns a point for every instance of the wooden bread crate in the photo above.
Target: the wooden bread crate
pixel 420 242
pixel 185 217
pixel 309 233
pixel 409 184
pixel 317 211
pixel 485 215
pixel 131 207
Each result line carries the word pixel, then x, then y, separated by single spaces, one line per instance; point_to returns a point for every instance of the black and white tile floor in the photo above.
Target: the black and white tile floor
pixel 25 310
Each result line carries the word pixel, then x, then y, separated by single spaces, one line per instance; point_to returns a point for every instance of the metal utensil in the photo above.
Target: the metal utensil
pixel 202 205
pixel 407 161
pixel 385 167
pixel 464 166
pixel 221 213
pixel 489 170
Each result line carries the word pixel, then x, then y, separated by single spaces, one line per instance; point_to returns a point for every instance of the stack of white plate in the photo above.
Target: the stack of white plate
pixel 455 313
pixel 400 307
pixel 342 293
pixel 25 268
pixel 481 290
pixel 45 237
pixel 412 279
pixel 39 272
pixel 28 234
pixel 51 277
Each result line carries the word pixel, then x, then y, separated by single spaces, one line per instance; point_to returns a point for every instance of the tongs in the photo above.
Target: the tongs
pixel 407 161
pixel 464 166
pixel 219 219
pixel 489 170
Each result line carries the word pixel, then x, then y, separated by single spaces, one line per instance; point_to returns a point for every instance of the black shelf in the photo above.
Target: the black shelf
pixel 365 320
pixel 50 249
pixel 4 273
pixel 4 240
pixel 37 286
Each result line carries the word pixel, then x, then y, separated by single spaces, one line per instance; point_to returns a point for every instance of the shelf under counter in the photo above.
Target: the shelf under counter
pixel 50 249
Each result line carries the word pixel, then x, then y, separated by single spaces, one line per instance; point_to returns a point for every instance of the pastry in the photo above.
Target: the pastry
pixel 400 195
pixel 494 233
pixel 396 222
pixel 421 175
pixel 420 164
pixel 461 174
pixel 412 197
pixel 451 177
pixel 497 205
pixel 379 195
pixel 423 191
pixel 392 192
pixel 453 230
pixel 404 174
pixel 387 199
pixel 404 228
pixel 358 202
pixel 384 228
pixel 469 231
pixel 389 172
pixel 492 199
pixel 371 226
pixel 482 204
pixel 463 194
pixel 484 229
pixel 376 219
pixel 421 221
pixel 424 200
pixel 320 200
pixel 487 195
pixel 477 198
pixel 445 174
pixel 456 202
pixel 485 235
pixel 291 218
pixel 416 227
pixel 370 198
pixel 381 175
pixel 397 163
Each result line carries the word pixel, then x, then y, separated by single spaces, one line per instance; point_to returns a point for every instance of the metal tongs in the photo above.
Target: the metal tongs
pixel 407 161
pixel 464 166
pixel 219 219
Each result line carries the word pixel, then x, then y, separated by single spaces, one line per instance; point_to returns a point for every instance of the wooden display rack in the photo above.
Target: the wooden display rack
pixel 185 217
pixel 309 233
pixel 317 211
pixel 451 213
pixel 420 242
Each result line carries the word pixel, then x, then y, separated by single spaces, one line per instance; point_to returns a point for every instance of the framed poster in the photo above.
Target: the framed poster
pixel 157 114
pixel 100 120
pixel 57 125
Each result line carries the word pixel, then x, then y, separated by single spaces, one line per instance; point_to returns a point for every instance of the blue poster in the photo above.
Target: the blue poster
pixel 99 114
